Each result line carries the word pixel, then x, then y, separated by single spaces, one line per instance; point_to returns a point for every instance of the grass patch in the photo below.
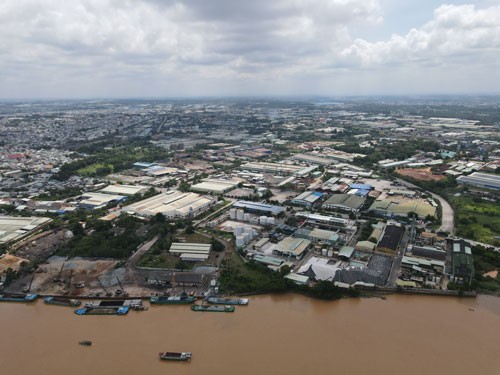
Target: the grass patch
pixel 477 219
pixel 95 169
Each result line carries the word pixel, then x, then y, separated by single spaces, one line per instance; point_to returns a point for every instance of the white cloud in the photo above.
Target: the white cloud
pixel 455 31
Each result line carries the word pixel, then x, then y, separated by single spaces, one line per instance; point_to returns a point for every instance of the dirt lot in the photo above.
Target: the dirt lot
pixel 10 261
pixel 424 174
pixel 40 247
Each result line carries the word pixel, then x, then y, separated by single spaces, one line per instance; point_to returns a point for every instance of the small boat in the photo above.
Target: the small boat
pixel 213 308
pixel 176 356
pixel 227 301
pixel 85 343
pixel 10 297
pixel 102 311
pixel 61 301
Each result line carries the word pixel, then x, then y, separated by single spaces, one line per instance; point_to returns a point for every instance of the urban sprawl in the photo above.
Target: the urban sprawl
pixel 146 198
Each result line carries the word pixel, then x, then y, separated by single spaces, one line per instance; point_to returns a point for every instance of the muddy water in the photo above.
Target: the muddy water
pixel 273 335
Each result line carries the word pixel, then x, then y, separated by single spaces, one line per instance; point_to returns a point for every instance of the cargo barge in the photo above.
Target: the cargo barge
pixel 10 297
pixel 102 311
pixel 61 301
pixel 134 304
pixel 213 308
pixel 176 356
pixel 182 299
pixel 227 301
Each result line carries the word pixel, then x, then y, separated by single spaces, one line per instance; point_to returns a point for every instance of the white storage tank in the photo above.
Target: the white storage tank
pixel 246 217
pixel 271 220
pixel 247 237
pixel 263 220
pixel 240 214
pixel 238 231
pixel 324 252
pixel 240 241
pixel 330 253
pixel 232 213
pixel 254 220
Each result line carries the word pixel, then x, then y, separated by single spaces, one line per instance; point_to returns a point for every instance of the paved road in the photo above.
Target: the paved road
pixel 447 217
pixel 141 250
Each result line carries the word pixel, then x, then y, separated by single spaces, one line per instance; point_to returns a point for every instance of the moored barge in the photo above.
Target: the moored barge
pixel 227 301
pixel 10 297
pixel 61 301
pixel 213 308
pixel 102 311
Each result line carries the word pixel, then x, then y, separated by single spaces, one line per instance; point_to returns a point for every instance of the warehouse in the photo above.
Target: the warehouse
pixel 94 201
pixel 191 252
pixel 481 180
pixel 391 239
pixel 292 247
pixel 344 202
pixel 215 186
pixel 307 198
pixel 278 168
pixel 173 205
pixel 15 228
pixel 259 208
pixel 313 159
pixel 128 190
pixel 326 237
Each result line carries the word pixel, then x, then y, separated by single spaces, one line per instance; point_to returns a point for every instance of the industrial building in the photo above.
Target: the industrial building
pixel 280 169
pixel 94 201
pixel 324 220
pixel 259 208
pixel 321 236
pixel 391 239
pixel 481 180
pixel 462 262
pixel 307 198
pixel 15 228
pixel 128 190
pixel 402 207
pixel 313 159
pixel 292 247
pixel 191 252
pixel 214 186
pixel 173 205
pixel 344 202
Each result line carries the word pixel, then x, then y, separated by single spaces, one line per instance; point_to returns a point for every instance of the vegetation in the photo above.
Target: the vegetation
pixel 103 239
pixel 477 219
pixel 485 260
pixel 104 161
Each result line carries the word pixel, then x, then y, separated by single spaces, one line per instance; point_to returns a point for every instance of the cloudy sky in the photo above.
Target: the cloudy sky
pixel 179 48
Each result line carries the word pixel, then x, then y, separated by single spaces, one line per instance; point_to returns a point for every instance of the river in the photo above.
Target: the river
pixel 285 334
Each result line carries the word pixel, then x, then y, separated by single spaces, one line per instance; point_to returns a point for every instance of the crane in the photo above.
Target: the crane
pixel 108 294
pixel 28 288
pixel 121 290
pixel 58 278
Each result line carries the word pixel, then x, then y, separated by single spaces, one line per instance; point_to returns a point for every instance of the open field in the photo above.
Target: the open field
pixel 423 174
pixel 477 219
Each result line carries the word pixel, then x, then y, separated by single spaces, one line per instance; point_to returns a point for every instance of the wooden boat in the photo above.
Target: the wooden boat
pixel 176 356
pixel 85 343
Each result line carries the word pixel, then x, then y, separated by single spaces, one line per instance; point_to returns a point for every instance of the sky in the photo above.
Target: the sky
pixel 203 48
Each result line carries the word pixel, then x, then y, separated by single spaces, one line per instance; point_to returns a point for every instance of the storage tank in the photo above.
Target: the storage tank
pixel 254 220
pixel 246 217
pixel 263 220
pixel 240 241
pixel 271 220
pixel 330 253
pixel 324 252
pixel 240 214
pixel 232 213
pixel 238 231
pixel 246 237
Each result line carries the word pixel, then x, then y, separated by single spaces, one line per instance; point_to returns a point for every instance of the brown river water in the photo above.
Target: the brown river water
pixel 286 334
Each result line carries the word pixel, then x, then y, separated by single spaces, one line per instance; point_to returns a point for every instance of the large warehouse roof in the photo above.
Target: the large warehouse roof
pixel 171 204
pixel 488 181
